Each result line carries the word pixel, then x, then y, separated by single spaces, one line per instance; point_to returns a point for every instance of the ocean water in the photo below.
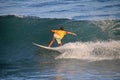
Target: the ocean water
pixel 94 54
pixel 71 9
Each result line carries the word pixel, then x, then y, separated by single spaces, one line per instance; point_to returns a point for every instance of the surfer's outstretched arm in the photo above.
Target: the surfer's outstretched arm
pixel 71 33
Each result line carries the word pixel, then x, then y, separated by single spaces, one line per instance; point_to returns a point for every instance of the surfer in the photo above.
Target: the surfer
pixel 58 35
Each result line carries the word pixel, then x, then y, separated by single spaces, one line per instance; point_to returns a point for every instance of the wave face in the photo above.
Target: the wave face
pixel 95 39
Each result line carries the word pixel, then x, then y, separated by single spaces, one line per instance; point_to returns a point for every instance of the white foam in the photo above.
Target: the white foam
pixel 100 50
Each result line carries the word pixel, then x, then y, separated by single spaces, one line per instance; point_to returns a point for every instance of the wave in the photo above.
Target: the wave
pixel 111 27
pixel 100 50
pixel 96 40
pixel 28 26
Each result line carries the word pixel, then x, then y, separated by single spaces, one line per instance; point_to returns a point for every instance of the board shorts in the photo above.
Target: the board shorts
pixel 57 38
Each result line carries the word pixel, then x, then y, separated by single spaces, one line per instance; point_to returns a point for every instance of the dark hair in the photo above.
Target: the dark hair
pixel 61 28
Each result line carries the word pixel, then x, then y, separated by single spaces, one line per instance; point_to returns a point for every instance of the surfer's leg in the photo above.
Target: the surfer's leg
pixel 51 43
pixel 60 44
pixel 59 41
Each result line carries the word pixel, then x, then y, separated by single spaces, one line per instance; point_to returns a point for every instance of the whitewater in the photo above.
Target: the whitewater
pixel 104 50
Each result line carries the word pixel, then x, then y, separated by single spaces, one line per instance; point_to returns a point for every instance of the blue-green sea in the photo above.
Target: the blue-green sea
pixel 94 54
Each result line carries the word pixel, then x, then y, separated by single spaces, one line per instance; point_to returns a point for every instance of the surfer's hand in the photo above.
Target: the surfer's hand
pixel 74 34
pixel 71 33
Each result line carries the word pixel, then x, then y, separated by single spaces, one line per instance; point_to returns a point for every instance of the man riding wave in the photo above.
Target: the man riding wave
pixel 59 35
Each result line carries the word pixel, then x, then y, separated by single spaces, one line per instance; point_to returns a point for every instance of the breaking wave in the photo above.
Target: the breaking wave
pixel 96 40
pixel 100 50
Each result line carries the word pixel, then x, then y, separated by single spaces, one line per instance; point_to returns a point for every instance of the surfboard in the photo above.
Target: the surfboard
pixel 44 47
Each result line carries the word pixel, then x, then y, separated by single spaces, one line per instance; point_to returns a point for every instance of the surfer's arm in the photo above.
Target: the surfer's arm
pixel 71 33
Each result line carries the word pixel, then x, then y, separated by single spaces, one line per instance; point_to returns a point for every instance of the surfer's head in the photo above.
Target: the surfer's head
pixel 61 28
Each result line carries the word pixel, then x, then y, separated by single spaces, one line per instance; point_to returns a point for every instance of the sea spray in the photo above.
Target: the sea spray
pixel 100 50
pixel 109 27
